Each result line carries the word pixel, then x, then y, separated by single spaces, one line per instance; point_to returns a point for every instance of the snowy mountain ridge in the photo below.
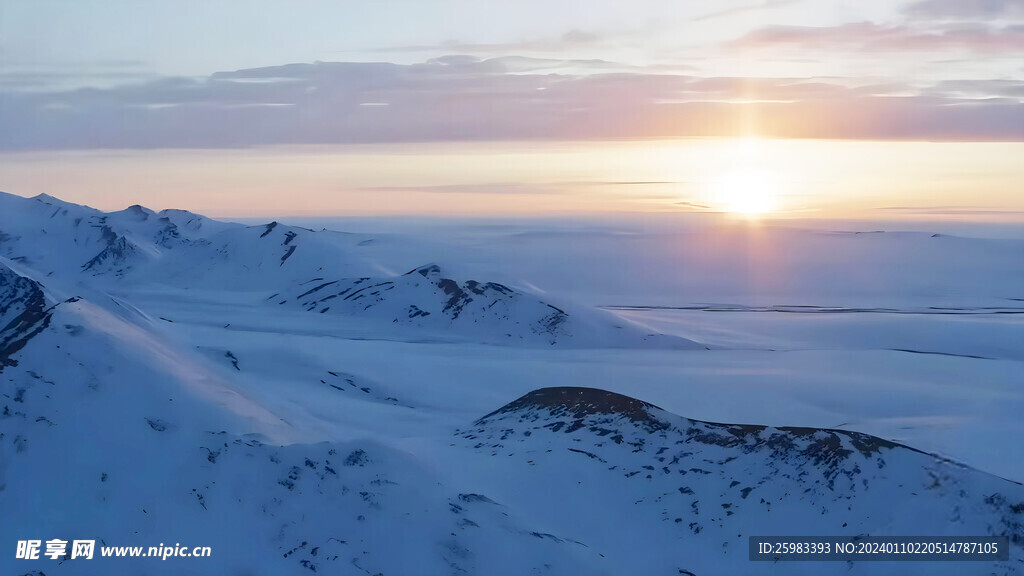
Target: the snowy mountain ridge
pixel 137 247
pixel 259 390
pixel 23 313
pixel 710 485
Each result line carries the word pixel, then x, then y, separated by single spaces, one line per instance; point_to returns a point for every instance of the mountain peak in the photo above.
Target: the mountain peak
pixel 47 199
pixel 176 212
pixel 54 201
pixel 579 402
pixel 137 212
pixel 569 409
pixel 429 271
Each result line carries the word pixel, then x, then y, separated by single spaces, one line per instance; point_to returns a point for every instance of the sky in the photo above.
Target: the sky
pixel 774 107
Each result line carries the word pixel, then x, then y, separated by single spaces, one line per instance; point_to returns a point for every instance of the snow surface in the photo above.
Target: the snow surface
pixel 170 378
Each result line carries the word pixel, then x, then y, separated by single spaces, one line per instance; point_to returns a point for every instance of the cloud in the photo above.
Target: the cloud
pixel 37 76
pixel 692 206
pixel 638 183
pixel 997 88
pixel 542 188
pixel 571 40
pixel 967 9
pixel 947 210
pixel 871 37
pixel 737 10
pixel 461 98
pixel 517 188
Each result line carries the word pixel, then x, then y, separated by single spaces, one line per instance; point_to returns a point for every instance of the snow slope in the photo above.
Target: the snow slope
pixel 137 248
pixel 703 486
pixel 271 392
pixel 484 311
pixel 23 313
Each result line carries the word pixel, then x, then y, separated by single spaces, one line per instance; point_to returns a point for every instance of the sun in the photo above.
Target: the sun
pixel 746 192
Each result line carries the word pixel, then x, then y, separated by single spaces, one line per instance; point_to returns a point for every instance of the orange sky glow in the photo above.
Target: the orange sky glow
pixel 781 178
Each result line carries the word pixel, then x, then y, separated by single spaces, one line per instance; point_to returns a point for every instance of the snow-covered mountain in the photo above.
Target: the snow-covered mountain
pixel 57 237
pixel 23 313
pixel 490 312
pixel 562 480
pixel 319 271
pixel 273 393
pixel 708 486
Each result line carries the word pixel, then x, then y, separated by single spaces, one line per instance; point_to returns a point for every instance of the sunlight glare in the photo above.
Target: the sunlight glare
pixel 746 192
